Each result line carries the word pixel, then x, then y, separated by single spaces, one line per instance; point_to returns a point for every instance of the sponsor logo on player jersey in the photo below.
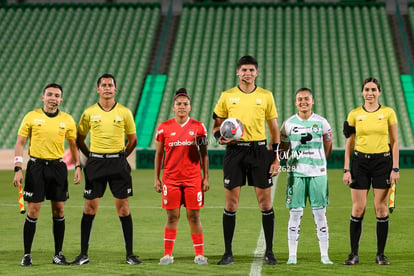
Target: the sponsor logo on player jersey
pixel 296 129
pixel 179 143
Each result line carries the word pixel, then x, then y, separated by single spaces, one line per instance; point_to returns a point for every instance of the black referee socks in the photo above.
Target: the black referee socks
pixel 58 233
pixel 355 229
pixel 229 224
pixel 382 234
pixel 29 230
pixel 127 229
pixel 86 227
pixel 268 223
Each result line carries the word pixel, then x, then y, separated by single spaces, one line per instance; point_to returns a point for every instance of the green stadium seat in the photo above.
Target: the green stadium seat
pixel 71 45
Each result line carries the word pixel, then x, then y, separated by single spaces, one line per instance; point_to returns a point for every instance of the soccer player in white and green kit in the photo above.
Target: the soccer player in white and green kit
pixel 306 143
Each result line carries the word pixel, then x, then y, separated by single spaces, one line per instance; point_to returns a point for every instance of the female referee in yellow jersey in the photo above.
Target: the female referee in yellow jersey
pixel 372 144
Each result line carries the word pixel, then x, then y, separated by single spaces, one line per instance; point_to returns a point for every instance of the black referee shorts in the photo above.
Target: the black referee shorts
pixel 46 178
pixel 370 169
pixel 101 169
pixel 249 160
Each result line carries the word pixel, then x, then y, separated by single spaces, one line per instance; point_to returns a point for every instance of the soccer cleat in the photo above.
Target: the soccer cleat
pixel 26 260
pixel 133 260
pixel 200 259
pixel 270 258
pixel 292 260
pixel 352 259
pixel 59 259
pixel 226 259
pixel 382 260
pixel 80 260
pixel 166 260
pixel 326 261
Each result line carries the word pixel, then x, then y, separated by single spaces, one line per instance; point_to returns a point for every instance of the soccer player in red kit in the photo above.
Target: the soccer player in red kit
pixel 182 138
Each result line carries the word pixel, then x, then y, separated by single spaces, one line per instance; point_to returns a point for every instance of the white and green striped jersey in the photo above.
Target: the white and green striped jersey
pixel 306 155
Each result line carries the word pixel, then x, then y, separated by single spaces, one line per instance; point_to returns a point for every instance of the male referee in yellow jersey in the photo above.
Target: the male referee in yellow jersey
pixel 46 174
pixel 249 157
pixel 109 123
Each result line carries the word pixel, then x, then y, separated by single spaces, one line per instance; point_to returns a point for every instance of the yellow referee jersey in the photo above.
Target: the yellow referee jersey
pixel 252 109
pixel 47 134
pixel 108 128
pixel 372 128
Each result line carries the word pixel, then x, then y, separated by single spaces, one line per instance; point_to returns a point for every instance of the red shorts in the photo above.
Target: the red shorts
pixel 188 193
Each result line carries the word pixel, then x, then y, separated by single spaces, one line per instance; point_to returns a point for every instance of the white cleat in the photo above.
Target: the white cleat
pixel 292 260
pixel 166 260
pixel 200 260
pixel 325 260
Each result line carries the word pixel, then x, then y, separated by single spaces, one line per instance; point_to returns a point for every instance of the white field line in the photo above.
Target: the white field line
pixel 256 267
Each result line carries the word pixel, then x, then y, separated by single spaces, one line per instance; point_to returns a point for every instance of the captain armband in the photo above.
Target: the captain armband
pixel 348 130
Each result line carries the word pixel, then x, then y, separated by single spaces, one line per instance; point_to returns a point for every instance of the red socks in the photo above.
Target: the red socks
pixel 169 240
pixel 198 243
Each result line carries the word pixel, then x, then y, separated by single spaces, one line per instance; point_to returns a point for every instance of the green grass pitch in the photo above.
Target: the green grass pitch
pixel 107 249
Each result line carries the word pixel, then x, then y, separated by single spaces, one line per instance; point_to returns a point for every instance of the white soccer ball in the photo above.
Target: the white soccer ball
pixel 232 128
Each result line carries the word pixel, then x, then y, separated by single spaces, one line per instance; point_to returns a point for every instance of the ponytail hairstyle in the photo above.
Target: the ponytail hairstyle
pixel 181 92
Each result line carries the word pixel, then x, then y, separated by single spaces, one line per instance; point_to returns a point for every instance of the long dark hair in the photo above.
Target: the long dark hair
pixel 371 79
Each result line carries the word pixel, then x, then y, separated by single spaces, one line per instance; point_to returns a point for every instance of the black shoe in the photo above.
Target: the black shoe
pixel 26 260
pixel 382 260
pixel 270 258
pixel 59 259
pixel 352 259
pixel 133 260
pixel 226 259
pixel 80 260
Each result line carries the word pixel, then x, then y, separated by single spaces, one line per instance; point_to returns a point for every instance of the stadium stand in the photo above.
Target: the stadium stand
pixel 329 47
pixel 71 44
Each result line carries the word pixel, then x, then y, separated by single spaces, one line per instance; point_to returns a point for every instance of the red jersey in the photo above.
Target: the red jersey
pixel 182 160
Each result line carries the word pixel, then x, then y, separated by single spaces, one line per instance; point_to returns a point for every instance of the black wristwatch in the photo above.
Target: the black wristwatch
pixel 346 170
pixel 17 168
pixel 396 169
